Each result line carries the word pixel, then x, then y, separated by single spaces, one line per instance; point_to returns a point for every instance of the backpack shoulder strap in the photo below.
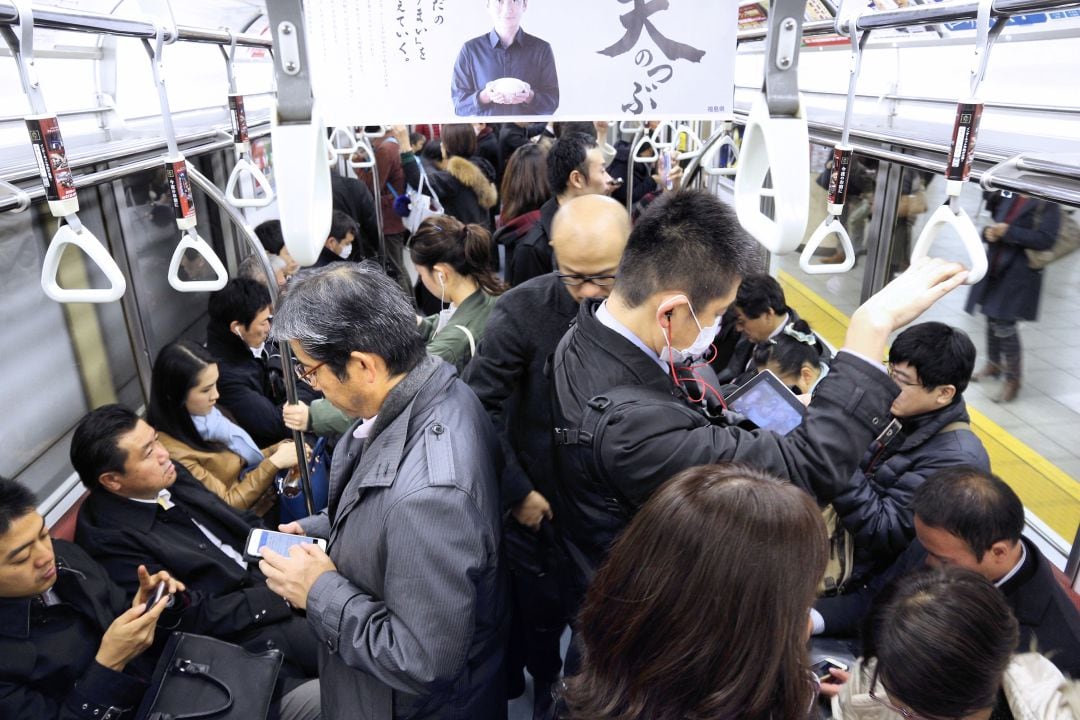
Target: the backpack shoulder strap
pixel 954 426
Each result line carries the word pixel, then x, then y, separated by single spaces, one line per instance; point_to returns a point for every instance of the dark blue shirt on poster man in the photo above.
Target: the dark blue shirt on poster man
pixel 483 59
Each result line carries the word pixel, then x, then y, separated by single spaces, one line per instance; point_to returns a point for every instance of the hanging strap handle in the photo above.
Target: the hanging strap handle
pixel 230 60
pixel 350 146
pixel 192 241
pixel 729 142
pixel 364 143
pixel 830 226
pixel 85 241
pixel 694 144
pixel 22 49
pixel 246 168
pixel 946 216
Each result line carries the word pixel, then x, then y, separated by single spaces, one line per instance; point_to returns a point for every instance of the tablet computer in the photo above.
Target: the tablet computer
pixel 768 403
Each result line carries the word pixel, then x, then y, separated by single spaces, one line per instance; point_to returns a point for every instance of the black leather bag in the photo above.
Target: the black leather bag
pixel 200 678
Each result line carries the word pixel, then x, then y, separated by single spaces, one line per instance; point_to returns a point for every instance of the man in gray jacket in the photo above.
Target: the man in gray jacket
pixel 409 604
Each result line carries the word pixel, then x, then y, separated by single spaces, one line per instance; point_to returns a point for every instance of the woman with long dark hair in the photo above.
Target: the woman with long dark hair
pixel 215 450
pixel 454 262
pixel 700 610
pixel 524 189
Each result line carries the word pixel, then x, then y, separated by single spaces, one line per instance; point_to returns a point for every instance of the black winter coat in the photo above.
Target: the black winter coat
pixel 650 441
pixel 1047 617
pixel 874 507
pixel 353 198
pixel 466 188
pixel 1011 288
pixel 532 255
pixel 643 180
pixel 47 666
pixel 227 601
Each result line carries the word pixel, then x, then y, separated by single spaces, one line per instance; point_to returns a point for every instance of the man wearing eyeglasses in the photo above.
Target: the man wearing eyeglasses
pixel 505 71
pixel 507 374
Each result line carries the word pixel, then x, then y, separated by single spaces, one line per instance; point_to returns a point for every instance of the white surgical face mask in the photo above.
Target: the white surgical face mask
pixel 345 252
pixel 447 312
pixel 704 340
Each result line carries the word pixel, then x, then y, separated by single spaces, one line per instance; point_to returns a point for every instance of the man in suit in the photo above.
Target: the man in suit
pixel 145 510
pixel 972 519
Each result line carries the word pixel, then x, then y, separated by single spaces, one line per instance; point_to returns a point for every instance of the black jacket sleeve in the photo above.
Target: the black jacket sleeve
pixel 253 411
pixel 90 698
pixel 530 259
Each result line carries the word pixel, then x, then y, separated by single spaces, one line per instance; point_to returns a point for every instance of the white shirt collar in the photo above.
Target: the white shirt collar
pixel 1016 568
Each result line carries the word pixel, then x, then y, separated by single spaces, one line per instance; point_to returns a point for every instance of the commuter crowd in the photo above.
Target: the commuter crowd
pixel 532 438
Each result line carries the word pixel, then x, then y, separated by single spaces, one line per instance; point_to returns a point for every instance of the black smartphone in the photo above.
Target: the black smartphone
pixel 159 593
pixel 821 668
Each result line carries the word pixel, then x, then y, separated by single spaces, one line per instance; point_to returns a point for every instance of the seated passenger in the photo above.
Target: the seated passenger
pixel 72 646
pixel 972 519
pixel 251 268
pixel 507 374
pixel 144 510
pixel 251 387
pixel 696 612
pixel 341 241
pixel 269 234
pixel 680 270
pixel 942 647
pixel 794 356
pixel 931 363
pixel 455 265
pixel 215 450
pixel 761 313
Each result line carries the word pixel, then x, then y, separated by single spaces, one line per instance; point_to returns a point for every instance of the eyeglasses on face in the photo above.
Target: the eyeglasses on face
pixel 303 373
pixel 597 280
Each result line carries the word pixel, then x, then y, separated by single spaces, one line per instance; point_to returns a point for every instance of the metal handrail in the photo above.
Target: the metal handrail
pixel 921 15
pixel 88 22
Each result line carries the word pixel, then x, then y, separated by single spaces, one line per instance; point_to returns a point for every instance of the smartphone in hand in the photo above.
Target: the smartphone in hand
pixel 159 593
pixel 279 542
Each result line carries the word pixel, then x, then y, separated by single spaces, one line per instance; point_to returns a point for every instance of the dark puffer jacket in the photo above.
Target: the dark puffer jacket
pixel 466 188
pixel 874 507
pixel 646 442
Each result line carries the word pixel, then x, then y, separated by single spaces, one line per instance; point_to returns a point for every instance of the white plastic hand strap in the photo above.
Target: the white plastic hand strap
pixel 85 240
pixel 664 127
pixel 694 145
pixel 780 144
pixel 21 196
pixel 243 167
pixel 831 225
pixel 969 236
pixel 640 147
pixel 364 145
pixel 381 132
pixel 631 127
pixel 192 241
pixel 304 199
pixel 706 163
pixel 343 142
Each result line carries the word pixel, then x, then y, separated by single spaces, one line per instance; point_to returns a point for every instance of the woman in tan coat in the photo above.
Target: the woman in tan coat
pixel 215 450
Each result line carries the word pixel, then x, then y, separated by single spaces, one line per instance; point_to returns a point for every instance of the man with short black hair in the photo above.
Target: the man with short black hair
pixel 273 242
pixel 575 167
pixel 761 313
pixel 972 519
pixel 143 509
pixel 341 241
pixel 251 386
pixel 931 364
pixel 72 646
pixel 409 605
pixel 627 419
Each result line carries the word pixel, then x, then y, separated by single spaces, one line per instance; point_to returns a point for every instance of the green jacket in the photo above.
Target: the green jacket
pixel 456 343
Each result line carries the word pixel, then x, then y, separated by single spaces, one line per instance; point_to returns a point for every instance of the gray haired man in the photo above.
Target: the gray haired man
pixel 409 603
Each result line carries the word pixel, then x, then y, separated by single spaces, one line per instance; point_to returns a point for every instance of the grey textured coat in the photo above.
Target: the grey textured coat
pixel 412 623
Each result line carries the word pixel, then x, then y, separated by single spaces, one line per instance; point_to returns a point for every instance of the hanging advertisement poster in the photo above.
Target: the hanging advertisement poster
pixel 407 61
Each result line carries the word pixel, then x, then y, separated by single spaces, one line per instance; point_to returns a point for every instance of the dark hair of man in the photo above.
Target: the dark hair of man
pixel 687 240
pixel 565 128
pixel 458 140
pixel 466 248
pixel 525 184
pixel 15 502
pixel 269 234
pixel 975 506
pixel 941 355
pixel 789 353
pixel 567 154
pixel 241 300
pixel 758 293
pixel 343 308
pixel 700 608
pixel 341 225
pixel 942 642
pixel 432 151
pixel 176 372
pixel 95 446
pixel 415 137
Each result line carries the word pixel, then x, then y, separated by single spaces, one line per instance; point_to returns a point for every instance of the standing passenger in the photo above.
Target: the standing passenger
pixel 409 605
pixel 589 234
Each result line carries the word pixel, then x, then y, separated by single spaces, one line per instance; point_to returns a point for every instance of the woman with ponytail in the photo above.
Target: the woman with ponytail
pixel 455 262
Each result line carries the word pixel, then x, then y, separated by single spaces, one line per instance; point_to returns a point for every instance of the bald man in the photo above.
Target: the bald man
pixel 588 235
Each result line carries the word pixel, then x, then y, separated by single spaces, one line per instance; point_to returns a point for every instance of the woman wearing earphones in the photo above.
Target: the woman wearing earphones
pixel 455 261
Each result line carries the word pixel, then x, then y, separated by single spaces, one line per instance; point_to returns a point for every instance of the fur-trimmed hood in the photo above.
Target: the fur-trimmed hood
pixel 469 175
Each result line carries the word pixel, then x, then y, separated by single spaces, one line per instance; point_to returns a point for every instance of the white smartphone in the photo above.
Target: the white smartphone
pixel 279 542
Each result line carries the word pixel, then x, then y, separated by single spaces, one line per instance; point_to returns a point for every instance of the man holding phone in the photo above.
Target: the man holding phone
pixel 71 644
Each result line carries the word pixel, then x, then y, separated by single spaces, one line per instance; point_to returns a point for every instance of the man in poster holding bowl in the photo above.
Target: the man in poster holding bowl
pixel 505 71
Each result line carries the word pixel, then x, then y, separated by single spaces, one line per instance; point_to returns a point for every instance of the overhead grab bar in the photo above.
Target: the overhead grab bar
pixel 243 167
pixel 842 157
pixel 20 195
pixel 180 187
pixel 56 179
pixel 305 203
pixel 776 143
pixel 958 163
